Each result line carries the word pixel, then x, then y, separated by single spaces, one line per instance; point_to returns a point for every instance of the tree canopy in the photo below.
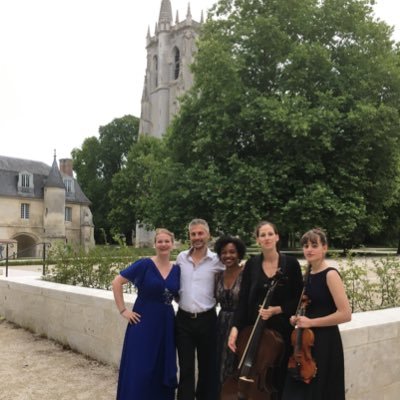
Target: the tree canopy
pixel 293 117
pixel 98 161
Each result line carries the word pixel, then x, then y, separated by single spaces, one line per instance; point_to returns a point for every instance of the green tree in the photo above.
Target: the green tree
pixel 294 116
pixel 98 161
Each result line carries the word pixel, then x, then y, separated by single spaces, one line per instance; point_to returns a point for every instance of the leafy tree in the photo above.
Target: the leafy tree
pixel 98 161
pixel 294 116
pixel 131 185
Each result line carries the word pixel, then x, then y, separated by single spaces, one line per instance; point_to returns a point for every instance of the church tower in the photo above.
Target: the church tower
pixel 169 54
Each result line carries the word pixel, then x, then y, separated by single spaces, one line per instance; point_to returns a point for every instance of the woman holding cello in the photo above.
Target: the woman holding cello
pixel 259 277
pixel 327 307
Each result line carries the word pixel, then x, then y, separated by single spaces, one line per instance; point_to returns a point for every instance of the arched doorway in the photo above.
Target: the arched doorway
pixel 26 246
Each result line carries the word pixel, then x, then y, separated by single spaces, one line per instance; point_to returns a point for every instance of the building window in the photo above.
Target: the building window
pixel 177 63
pixel 69 185
pixel 24 211
pixel 68 214
pixel 155 71
pixel 25 182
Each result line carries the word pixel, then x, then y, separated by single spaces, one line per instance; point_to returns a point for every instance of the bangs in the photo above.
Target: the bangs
pixel 311 237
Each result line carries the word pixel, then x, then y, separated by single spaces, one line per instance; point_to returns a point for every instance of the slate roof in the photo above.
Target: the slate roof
pixel 43 175
pixel 54 178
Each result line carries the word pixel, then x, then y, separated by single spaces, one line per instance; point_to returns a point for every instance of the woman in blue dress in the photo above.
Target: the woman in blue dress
pixel 148 368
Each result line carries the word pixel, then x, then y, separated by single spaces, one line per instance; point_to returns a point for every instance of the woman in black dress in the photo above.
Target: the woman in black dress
pixel 328 307
pixel 258 275
pixel 231 251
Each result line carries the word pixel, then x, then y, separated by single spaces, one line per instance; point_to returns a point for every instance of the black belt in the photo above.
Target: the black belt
pixel 195 315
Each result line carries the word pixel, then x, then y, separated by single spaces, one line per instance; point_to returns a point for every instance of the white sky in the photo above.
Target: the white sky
pixel 70 66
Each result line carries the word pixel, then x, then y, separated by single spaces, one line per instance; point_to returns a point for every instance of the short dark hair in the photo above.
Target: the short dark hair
pixel 222 241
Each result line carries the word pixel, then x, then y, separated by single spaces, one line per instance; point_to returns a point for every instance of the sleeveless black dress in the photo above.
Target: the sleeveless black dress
pixel 327 350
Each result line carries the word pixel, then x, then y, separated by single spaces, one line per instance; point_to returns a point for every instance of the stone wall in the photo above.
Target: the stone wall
pixel 87 321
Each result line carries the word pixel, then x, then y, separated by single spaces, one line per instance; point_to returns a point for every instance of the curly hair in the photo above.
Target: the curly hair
pixel 222 241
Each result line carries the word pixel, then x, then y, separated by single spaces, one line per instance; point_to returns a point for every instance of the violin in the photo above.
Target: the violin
pixel 259 350
pixel 301 365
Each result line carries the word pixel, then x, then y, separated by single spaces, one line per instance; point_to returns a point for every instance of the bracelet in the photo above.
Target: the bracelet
pixel 122 310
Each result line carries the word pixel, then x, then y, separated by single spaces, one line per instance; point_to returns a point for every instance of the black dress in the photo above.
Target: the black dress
pixel 327 350
pixel 228 300
pixel 253 289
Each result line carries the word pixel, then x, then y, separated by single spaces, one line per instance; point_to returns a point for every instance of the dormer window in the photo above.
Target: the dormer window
pixel 25 182
pixel 69 185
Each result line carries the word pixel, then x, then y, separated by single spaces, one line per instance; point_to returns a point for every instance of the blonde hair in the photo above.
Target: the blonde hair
pixel 166 231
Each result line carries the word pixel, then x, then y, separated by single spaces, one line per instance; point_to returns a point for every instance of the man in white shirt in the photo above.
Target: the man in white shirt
pixel 196 316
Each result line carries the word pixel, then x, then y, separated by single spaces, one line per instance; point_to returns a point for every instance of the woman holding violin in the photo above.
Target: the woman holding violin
pixel 259 277
pixel 327 307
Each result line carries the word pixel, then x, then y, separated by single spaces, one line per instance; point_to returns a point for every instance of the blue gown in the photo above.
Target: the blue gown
pixel 148 368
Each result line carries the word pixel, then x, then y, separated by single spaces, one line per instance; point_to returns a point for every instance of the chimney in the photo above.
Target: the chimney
pixel 66 166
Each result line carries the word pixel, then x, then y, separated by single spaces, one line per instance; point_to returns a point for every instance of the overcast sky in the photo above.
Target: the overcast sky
pixel 70 66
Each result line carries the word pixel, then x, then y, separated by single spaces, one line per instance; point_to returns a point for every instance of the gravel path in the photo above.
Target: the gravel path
pixel 34 368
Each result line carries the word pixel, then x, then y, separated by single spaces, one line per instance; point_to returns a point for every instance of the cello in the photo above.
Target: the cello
pixel 259 350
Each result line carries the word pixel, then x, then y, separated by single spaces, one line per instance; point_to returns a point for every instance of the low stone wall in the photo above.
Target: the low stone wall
pixel 84 319
pixel 87 321
pixel 371 342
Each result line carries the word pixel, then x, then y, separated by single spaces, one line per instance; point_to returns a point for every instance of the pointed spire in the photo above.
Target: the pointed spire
pixel 148 32
pixel 165 12
pixel 177 18
pixel 55 179
pixel 202 17
pixel 189 13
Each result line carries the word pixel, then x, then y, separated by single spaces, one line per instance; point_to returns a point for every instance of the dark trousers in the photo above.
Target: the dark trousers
pixel 197 335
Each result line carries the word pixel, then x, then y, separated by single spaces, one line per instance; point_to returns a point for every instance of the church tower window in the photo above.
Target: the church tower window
pixel 177 63
pixel 155 71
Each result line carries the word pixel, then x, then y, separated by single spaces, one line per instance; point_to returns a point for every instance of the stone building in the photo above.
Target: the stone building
pixel 169 54
pixel 42 204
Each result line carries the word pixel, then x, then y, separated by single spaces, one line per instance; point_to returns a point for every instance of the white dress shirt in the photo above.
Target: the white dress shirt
pixel 196 294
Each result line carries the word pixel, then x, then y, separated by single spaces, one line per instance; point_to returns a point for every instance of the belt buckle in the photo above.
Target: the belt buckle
pixel 193 315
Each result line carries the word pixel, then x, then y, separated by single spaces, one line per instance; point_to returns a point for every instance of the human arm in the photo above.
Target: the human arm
pixel 232 338
pixel 117 287
pixel 343 310
pixel 288 297
pixel 240 315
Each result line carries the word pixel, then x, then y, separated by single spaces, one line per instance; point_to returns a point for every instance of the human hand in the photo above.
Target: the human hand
pixel 232 339
pixel 266 313
pixel 132 316
pixel 303 322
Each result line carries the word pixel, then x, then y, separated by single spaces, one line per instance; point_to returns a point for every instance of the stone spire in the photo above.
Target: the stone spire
pixel 189 13
pixel 165 13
